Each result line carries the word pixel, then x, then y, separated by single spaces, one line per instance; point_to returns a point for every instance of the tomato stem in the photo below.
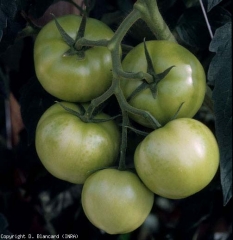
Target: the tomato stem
pixel 124 136
pixel 122 30
pixel 90 43
pixel 99 100
pixel 149 12
pixel 114 45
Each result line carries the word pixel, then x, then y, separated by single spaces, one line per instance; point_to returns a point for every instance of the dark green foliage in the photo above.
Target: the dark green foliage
pixel 220 73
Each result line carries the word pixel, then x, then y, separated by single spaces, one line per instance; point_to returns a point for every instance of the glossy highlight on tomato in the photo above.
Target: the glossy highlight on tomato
pixel 116 201
pixel 67 77
pixel 179 159
pixel 71 149
pixel 184 84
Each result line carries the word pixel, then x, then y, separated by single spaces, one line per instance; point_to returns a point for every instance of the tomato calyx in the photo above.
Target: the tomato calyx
pixel 156 77
pixel 83 116
pixel 79 51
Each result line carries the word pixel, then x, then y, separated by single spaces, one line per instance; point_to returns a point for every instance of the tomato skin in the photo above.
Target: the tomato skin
pixel 178 159
pixel 71 149
pixel 116 201
pixel 185 83
pixel 69 78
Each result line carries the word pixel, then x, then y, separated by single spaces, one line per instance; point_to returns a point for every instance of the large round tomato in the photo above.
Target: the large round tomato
pixel 71 149
pixel 116 201
pixel 179 159
pixel 68 77
pixel 185 83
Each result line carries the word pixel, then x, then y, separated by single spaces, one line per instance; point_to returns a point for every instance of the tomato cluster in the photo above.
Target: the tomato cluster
pixel 174 161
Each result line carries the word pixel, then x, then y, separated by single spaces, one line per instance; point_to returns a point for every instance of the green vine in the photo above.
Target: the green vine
pixel 148 11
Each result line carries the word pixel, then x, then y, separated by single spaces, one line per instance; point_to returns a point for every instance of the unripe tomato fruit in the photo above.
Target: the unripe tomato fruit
pixel 67 77
pixel 179 159
pixel 71 149
pixel 185 83
pixel 116 201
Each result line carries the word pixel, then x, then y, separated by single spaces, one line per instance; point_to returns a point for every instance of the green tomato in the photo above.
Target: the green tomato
pixel 71 149
pixel 185 83
pixel 67 77
pixel 179 159
pixel 116 201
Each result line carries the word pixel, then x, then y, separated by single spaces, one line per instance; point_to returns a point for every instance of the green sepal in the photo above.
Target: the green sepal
pixel 82 28
pixel 71 111
pixel 82 115
pixel 71 42
pixel 67 39
pixel 161 76
pixel 150 67
pixel 177 112
pixel 81 108
pixel 156 77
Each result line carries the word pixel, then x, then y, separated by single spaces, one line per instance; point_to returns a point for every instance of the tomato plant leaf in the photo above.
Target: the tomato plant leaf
pixel 190 25
pixel 7 11
pixel 8 28
pixel 218 17
pixel 192 22
pixel 212 3
pixel 220 72
pixel 191 3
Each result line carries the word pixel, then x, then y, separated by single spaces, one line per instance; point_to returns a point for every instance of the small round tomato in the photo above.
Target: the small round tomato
pixel 68 77
pixel 71 149
pixel 179 159
pixel 116 201
pixel 185 83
